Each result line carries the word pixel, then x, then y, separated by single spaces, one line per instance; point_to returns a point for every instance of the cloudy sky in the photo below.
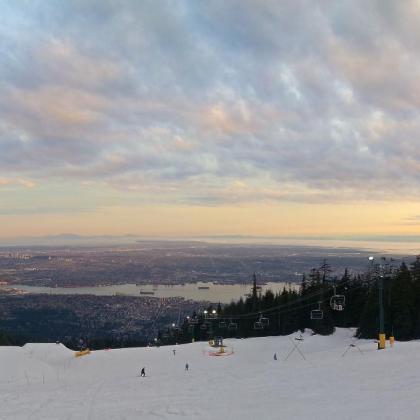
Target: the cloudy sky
pixel 253 117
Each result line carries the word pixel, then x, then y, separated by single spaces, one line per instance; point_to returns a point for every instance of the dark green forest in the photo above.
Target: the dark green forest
pixel 320 296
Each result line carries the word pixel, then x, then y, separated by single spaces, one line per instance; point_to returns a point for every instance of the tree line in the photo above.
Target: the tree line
pixel 293 309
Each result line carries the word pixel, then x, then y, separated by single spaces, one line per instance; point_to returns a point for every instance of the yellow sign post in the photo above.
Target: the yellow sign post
pixel 382 341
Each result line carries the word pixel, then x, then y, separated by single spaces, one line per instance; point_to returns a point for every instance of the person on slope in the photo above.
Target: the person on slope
pixel 143 372
pixel 186 367
pixel 275 356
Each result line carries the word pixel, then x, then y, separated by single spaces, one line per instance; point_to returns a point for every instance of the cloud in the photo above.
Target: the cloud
pixel 26 183
pixel 213 102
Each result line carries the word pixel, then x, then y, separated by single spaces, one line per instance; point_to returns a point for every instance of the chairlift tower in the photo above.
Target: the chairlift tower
pixel 381 270
pixel 381 313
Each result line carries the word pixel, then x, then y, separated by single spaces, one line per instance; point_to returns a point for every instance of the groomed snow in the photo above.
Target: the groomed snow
pixel 46 381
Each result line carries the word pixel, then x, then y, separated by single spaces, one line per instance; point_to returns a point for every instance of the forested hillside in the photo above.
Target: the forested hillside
pixel 323 302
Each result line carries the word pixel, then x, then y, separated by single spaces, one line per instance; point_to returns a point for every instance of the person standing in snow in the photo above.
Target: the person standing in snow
pixel 186 366
pixel 143 372
pixel 174 351
pixel 275 356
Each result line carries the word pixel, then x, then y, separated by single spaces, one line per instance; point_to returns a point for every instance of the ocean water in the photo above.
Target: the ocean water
pixel 223 293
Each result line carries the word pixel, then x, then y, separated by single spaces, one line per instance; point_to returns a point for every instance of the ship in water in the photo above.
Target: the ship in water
pixel 146 292
pixel 120 294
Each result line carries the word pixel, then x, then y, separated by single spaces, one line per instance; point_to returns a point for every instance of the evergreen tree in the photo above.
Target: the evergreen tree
pixel 5 340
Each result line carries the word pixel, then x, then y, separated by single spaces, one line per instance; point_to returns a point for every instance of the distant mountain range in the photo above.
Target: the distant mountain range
pixel 72 239
pixel 67 239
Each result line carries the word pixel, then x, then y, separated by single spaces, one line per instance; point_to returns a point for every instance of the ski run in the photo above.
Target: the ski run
pixel 316 377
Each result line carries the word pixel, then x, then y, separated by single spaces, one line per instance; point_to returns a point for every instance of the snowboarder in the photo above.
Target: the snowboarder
pixel 186 366
pixel 143 372
pixel 275 356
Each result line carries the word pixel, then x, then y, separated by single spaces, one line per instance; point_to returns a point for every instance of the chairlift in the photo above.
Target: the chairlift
pixel 317 314
pixel 265 322
pixel 222 324
pixel 337 302
pixel 232 326
pixel 258 325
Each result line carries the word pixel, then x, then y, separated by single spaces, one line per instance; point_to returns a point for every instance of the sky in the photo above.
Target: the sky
pixel 179 118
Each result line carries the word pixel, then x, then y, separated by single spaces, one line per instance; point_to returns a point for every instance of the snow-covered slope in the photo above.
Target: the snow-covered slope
pixel 46 381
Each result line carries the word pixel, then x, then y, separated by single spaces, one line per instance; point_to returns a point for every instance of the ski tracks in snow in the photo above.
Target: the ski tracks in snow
pixel 93 398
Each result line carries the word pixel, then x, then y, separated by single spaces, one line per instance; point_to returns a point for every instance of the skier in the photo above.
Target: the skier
pixel 186 366
pixel 275 356
pixel 143 372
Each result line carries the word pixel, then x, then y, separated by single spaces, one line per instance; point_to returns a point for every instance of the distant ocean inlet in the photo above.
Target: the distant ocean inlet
pixel 211 292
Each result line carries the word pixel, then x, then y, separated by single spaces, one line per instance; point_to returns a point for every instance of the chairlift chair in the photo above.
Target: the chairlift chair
pixel 265 322
pixel 317 314
pixel 258 325
pixel 232 326
pixel 222 324
pixel 337 302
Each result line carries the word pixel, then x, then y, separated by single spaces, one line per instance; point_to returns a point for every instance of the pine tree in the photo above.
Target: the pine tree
pixel 5 340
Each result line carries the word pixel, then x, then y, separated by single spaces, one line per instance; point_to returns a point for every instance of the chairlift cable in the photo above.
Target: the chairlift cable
pixel 274 308
pixel 294 308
